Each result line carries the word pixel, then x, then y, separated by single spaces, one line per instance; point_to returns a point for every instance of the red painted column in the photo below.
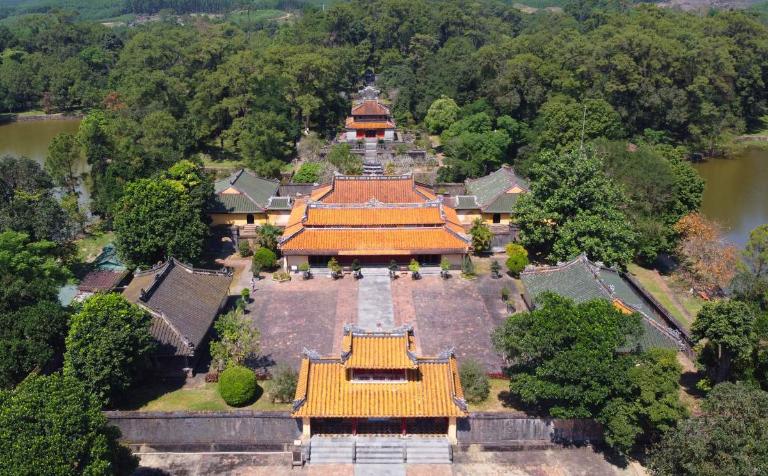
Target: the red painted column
pixel 354 426
pixel 402 426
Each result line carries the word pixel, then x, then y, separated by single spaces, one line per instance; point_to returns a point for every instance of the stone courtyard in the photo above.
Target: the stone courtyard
pixel 311 314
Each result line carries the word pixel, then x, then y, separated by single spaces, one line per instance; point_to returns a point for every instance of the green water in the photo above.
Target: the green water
pixel 31 139
pixel 736 193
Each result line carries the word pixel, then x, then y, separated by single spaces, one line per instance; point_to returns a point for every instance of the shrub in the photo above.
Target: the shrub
pixel 244 248
pixel 481 236
pixel 264 258
pixel 495 268
pixel 304 267
pixel 284 384
pixel 245 294
pixel 474 381
pixel 334 266
pixel 309 172
pixel 237 386
pixel 505 294
pixel 445 265
pixel 281 276
pixel 517 258
pixel 467 267
pixel 414 266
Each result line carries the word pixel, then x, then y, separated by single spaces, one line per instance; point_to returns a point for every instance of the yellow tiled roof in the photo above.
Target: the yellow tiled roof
pixel 432 387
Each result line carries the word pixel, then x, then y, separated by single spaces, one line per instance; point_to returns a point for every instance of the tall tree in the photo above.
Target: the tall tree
pixel 52 425
pixel 61 161
pixel 107 345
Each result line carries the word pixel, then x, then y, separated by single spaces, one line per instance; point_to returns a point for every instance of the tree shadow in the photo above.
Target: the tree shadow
pixel 147 471
pixel 148 390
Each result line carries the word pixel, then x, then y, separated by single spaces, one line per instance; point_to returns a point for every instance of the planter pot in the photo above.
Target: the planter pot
pixel 307 275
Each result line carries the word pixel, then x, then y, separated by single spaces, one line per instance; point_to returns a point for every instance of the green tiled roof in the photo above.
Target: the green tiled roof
pixel 232 203
pixel 582 280
pixel 466 202
pixel 256 190
pixel 490 190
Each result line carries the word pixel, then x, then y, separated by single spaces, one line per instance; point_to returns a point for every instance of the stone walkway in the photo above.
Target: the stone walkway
pixel 374 303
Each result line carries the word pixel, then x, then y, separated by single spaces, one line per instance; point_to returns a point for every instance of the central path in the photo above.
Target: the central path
pixel 374 303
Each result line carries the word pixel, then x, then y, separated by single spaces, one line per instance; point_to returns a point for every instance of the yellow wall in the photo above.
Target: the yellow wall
pixel 239 219
pixel 488 218
pixel 279 218
pixel 467 217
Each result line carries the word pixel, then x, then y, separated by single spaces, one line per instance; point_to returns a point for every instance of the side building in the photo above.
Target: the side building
pixel 183 302
pixel 374 219
pixel 491 197
pixel 379 386
pixel 582 280
pixel 246 201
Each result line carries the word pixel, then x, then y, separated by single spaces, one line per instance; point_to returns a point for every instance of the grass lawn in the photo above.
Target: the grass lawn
pixel 497 399
pixel 89 247
pixel 202 398
pixel 682 305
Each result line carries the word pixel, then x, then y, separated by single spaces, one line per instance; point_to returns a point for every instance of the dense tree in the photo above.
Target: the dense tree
pixel 157 219
pixel 63 155
pixel 751 281
pixel 481 236
pixel 580 361
pixel 107 345
pixel 728 331
pixel 53 425
pixel 473 147
pixel 441 114
pixel 706 260
pixel 563 123
pixel 573 207
pixel 27 202
pixel 730 436
pixel 237 339
pixel 309 172
pixel 341 157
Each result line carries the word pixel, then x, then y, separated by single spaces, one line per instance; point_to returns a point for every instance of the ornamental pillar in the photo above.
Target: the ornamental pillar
pixel 452 431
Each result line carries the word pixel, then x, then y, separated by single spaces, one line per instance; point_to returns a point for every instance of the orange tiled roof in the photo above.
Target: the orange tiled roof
pixel 378 351
pixel 386 189
pixel 370 107
pixel 372 241
pixel 432 388
pixel 351 123
pixel 370 216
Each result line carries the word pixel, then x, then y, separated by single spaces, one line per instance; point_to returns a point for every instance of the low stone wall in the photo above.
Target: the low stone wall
pixel 275 431
pixel 206 431
pixel 515 428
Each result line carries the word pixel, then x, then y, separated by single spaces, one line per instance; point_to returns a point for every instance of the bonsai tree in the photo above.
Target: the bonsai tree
pixel 505 294
pixel 445 266
pixel 467 267
pixel 335 268
pixel 495 268
pixel 304 268
pixel 356 268
pixel 517 259
pixel 393 267
pixel 414 268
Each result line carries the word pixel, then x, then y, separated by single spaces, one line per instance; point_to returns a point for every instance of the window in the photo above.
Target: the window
pixel 497 217
pixel 369 376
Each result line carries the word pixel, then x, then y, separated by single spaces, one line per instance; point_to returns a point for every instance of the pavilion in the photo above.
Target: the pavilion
pixel 378 385
pixel 374 219
pixel 370 120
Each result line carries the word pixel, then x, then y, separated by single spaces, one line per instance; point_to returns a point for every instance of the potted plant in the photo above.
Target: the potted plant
pixel 393 269
pixel 305 271
pixel 414 268
pixel 445 267
pixel 495 268
pixel 356 269
pixel 335 268
pixel 505 294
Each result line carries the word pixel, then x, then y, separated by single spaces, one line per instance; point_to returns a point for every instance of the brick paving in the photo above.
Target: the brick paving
pixel 444 313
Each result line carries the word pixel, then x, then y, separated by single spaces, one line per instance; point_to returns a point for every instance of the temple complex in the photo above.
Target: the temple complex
pixel 374 219
pixel 378 385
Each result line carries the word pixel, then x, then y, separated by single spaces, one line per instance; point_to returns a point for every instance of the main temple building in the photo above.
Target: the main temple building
pixel 374 219
pixel 378 385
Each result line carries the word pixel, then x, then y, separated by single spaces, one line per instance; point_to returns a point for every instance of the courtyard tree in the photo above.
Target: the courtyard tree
pixel 237 339
pixel 309 172
pixel 238 386
pixel 573 207
pixel 157 219
pixel 53 425
pixel 582 361
pixel 284 381
pixel 707 261
pixel 517 258
pixel 561 121
pixel 269 236
pixel 441 114
pixel 727 331
pixel 108 345
pixel 729 436
pixel 481 236
pixel 263 259
pixel 474 381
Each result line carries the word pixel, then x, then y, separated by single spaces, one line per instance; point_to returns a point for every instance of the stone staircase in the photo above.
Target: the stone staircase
pixel 428 450
pixel 371 163
pixel 332 450
pixel 379 450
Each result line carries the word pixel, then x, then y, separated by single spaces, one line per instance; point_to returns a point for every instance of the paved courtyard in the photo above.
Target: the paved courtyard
pixel 311 314
pixel 560 462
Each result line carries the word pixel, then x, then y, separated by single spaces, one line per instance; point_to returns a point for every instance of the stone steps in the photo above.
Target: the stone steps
pixel 428 451
pixel 332 450
pixel 379 450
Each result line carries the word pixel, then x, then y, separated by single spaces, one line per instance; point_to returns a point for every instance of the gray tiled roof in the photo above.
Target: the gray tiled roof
pixel 280 203
pixel 491 190
pixel 466 202
pixel 183 301
pixel 255 192
pixel 582 280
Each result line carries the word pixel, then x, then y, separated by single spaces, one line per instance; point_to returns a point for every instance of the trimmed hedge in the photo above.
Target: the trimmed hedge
pixel 237 386
pixel 264 259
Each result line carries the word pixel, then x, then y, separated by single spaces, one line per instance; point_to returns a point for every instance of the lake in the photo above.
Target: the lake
pixel 31 139
pixel 736 194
